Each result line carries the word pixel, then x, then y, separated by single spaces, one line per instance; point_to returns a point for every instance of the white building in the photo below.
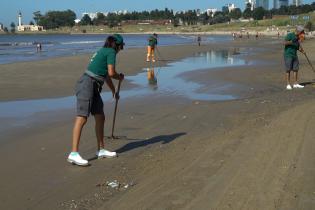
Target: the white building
pixel 297 2
pixel 251 2
pixel 1 27
pixel 92 15
pixel 22 27
pixel 211 11
pixel 231 7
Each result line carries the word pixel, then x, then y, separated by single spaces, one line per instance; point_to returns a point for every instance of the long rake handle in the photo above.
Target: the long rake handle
pixel 309 62
pixel 116 104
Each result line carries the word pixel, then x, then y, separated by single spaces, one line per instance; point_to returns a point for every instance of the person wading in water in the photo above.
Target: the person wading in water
pixel 152 42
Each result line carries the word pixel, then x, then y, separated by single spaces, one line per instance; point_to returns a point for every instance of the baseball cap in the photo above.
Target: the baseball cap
pixel 119 39
pixel 299 28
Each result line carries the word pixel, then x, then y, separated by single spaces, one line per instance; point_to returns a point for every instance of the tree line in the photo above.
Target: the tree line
pixel 56 19
pixel 193 17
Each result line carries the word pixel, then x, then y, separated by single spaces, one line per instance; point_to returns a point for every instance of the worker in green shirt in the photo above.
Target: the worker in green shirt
pixel 89 101
pixel 152 42
pixel 291 46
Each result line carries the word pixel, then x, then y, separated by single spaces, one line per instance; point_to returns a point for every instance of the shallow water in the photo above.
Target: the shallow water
pixel 158 81
pixel 17 48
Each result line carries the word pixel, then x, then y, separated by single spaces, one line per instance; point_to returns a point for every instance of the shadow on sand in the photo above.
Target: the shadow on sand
pixel 165 139
pixel 312 83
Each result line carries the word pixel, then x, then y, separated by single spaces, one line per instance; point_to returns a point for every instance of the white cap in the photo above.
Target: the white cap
pixel 299 28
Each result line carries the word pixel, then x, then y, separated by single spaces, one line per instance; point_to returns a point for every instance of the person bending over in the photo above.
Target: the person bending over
pixel 88 88
pixel 291 46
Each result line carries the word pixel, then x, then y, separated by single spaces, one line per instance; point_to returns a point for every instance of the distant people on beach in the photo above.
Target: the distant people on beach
pixel 39 47
pixel 89 101
pixel 234 35
pixel 152 43
pixel 199 40
pixel 247 35
pixel 291 46
pixel 256 36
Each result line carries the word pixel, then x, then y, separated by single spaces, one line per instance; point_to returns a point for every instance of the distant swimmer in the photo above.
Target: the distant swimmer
pixel 152 43
pixel 38 47
pixel 199 40
pixel 234 35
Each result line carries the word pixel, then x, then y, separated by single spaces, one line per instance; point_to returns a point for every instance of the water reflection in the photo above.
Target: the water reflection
pixel 223 56
pixel 152 79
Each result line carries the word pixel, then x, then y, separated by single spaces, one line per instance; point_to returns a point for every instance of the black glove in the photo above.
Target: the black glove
pixel 117 96
pixel 122 76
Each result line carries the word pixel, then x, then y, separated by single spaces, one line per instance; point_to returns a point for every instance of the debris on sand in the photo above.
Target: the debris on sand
pixel 114 184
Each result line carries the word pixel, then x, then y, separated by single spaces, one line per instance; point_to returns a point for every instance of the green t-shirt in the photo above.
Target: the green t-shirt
pixel 100 60
pixel 152 41
pixel 290 51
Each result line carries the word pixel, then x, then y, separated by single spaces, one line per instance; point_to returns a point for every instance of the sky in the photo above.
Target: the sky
pixel 10 8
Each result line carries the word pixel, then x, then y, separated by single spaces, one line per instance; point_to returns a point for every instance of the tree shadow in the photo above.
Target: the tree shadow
pixel 165 139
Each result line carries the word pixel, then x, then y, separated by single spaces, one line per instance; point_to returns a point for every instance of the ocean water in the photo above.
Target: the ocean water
pixel 18 48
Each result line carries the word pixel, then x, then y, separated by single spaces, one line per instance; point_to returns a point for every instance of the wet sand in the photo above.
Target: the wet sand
pixel 255 152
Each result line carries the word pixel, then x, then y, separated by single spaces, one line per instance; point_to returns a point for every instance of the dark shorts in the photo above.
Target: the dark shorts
pixel 291 64
pixel 89 100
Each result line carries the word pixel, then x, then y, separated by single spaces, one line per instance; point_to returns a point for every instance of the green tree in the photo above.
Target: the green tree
pixel 56 19
pixel 235 13
pixel 100 19
pixel 12 25
pixel 5 29
pixel 309 26
pixel 37 16
pixel 31 23
pixel 247 13
pixel 259 13
pixel 86 20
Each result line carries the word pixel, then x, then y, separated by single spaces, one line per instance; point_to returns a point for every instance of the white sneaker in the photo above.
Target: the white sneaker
pixel 289 87
pixel 298 86
pixel 105 153
pixel 75 158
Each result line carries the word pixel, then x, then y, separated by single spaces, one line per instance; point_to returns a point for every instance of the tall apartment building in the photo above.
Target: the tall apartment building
pixel 262 3
pixel 251 2
pixel 297 2
pixel 283 3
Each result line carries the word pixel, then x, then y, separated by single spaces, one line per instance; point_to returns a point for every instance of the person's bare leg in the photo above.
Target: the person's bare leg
pixel 287 76
pixel 295 75
pixel 76 133
pixel 99 130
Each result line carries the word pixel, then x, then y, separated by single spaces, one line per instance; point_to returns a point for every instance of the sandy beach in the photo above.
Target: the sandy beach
pixel 254 152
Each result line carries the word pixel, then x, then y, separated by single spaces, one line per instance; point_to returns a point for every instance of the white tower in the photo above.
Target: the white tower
pixel 20 19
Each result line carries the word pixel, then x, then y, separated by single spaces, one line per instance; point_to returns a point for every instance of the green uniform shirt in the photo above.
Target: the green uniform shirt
pixel 152 41
pixel 290 51
pixel 100 60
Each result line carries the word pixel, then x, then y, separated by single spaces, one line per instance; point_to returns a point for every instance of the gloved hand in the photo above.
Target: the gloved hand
pixel 121 76
pixel 117 96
